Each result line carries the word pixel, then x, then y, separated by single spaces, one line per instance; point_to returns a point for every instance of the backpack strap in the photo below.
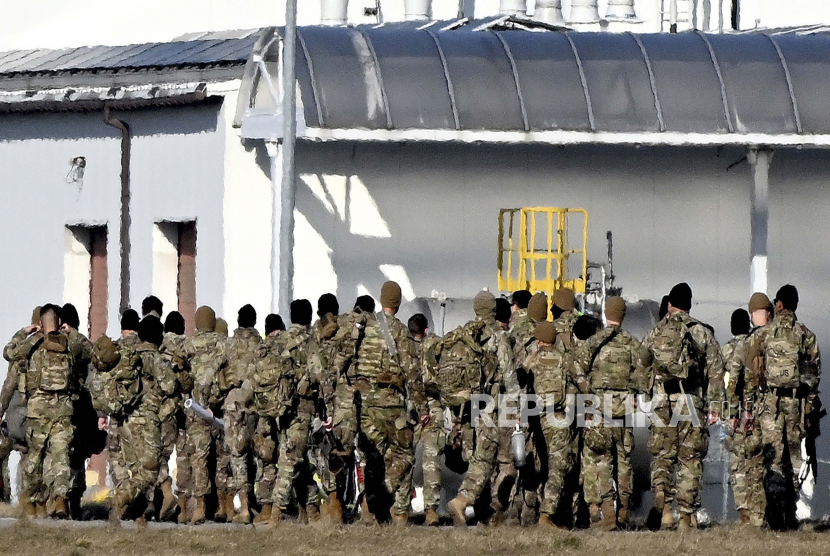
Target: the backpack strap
pixel 387 336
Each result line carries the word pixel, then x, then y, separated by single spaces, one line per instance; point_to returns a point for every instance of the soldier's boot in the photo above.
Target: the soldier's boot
pixel 27 506
pixel 184 516
pixel 546 522
pixel 313 511
pixel 222 513
pixel 596 514
pixel 497 519
pixel 400 520
pixel 117 507
pixel 431 518
pixel 198 516
pixel 264 515
pixel 458 510
pixel 61 512
pixel 302 515
pixel 141 523
pixel 622 513
pixel 40 511
pixel 685 522
pixel 335 509
pixel 274 522
pixel 609 517
pixel 244 515
pixel 168 503
pixel 667 519
pixel 366 517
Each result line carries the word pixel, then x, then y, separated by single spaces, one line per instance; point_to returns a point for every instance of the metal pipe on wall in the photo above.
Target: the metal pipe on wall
pixel 584 11
pixel 125 220
pixel 513 7
pixel 417 10
pixel 549 11
pixel 332 12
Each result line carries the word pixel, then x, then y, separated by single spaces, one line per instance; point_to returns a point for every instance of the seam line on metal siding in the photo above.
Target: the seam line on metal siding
pixel 515 71
pixel 383 95
pixel 584 81
pixel 714 59
pixel 652 81
pixel 786 67
pixel 314 91
pixel 450 88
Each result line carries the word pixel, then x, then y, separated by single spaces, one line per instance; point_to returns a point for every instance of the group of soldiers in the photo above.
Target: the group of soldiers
pixel 326 417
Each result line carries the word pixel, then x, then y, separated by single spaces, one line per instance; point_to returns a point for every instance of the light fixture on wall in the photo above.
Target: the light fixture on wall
pixel 77 167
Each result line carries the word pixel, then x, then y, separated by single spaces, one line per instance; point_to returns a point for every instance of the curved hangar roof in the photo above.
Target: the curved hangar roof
pixel 405 83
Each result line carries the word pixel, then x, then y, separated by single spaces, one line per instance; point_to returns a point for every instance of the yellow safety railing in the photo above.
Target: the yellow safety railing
pixel 519 253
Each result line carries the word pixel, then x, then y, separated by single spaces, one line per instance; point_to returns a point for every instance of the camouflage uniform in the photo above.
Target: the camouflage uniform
pixel 119 468
pixel 686 444
pixel 206 352
pixel 784 358
pixel 18 362
pixel 747 458
pixel 49 384
pixel 173 434
pixel 614 364
pixel 386 384
pixel 482 453
pixel 140 431
pixel 86 439
pixel 264 383
pixel 242 358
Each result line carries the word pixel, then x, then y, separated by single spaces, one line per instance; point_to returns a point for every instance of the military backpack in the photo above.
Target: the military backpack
pixel 782 357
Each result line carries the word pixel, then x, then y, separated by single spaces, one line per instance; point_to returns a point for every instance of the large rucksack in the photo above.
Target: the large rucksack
pixel 676 354
pixel 50 369
pixel 549 375
pixel 461 364
pixel 114 383
pixel 782 357
pixel 613 370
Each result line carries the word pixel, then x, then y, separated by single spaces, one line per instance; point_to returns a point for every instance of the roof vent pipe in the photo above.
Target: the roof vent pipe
pixel 513 7
pixel 418 10
pixel 620 9
pixel 584 11
pixel 549 11
pixel 334 12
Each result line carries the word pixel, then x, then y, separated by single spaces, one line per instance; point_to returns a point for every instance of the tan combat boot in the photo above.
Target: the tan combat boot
pixel 27 506
pixel 609 517
pixel 335 509
pixel 744 518
pixel 264 515
pixel 458 508
pixel 60 508
pixel 313 513
pixel 667 519
pixel 685 522
pixel 184 517
pixel 198 516
pixel 117 507
pixel 222 513
pixel 546 522
pixel 431 518
pixel 244 515
pixel 302 515
pixel 274 522
pixel 497 519
pixel 366 517
pixel 622 512
pixel 40 511
pixel 168 504
pixel 400 520
pixel 596 514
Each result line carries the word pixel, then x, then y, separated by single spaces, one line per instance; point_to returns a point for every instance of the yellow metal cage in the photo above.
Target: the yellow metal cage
pixel 520 257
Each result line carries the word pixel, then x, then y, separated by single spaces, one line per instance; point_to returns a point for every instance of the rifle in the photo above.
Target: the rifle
pixel 204 414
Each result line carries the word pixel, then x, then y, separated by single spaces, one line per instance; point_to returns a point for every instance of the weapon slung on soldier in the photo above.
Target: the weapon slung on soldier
pixel 204 414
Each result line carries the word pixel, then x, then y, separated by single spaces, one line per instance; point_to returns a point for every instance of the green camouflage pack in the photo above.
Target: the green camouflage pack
pixel 548 369
pixel 242 358
pixel 460 363
pixel 207 358
pixel 676 355
pixel 612 356
pixel 50 369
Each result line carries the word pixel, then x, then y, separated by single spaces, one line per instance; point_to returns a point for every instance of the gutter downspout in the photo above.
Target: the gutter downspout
pixel 124 225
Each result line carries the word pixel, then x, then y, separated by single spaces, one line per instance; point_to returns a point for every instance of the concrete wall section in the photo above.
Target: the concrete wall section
pixel 429 214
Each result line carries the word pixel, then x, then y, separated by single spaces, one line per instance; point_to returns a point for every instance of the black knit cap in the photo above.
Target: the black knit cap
pixel 740 322
pixel 680 296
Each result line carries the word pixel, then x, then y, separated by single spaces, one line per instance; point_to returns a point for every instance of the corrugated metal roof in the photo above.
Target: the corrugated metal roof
pixel 221 48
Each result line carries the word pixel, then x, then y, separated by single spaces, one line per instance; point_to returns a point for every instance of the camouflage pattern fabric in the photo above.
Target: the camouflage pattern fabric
pixel 242 359
pixel 685 445
pixel 173 423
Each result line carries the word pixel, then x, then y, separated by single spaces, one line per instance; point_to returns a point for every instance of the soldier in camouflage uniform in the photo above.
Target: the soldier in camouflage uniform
pixel 262 384
pixel 686 379
pixel 386 376
pixel 497 376
pixel 614 366
pixel 206 352
pixel 48 384
pixel 293 401
pixel 140 430
pixel 242 358
pixel 744 443
pixel 784 358
pixel 18 362
pixel 173 434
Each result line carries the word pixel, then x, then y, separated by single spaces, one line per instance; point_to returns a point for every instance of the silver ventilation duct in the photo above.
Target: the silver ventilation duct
pixel 513 7
pixel 584 11
pixel 334 12
pixel 418 10
pixel 620 9
pixel 549 11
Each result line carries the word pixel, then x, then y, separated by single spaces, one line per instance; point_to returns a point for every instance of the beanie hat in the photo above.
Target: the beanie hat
pixel 759 301
pixel 615 309
pixel 546 332
pixel 221 327
pixel 105 354
pixel 484 304
pixel 205 319
pixel 565 299
pixel 739 323
pixel 537 309
pixel 680 296
pixel 390 295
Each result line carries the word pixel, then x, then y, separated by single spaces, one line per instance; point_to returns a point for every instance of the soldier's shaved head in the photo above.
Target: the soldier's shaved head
pixel 50 318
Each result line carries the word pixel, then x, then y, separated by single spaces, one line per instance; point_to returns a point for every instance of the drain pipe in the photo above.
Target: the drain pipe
pixel 124 225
